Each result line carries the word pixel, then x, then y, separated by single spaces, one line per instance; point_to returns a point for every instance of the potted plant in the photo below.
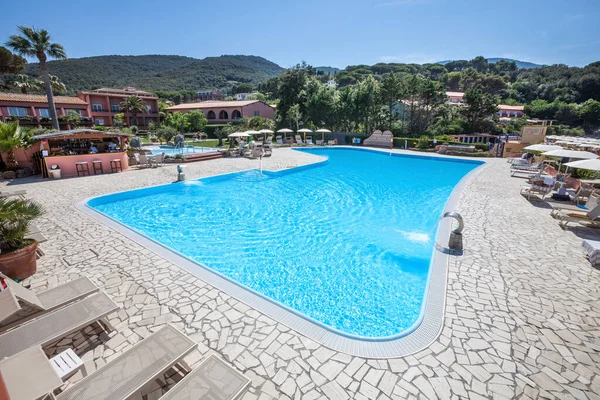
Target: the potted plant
pixel 17 254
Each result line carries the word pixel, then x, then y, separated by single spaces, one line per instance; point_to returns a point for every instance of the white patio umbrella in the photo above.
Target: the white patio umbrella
pixel 590 164
pixel 323 131
pixel 305 131
pixel 238 134
pixel 285 131
pixel 579 155
pixel 266 131
pixel 543 147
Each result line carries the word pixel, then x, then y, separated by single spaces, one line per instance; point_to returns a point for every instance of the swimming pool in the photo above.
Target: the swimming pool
pixel 172 150
pixel 346 243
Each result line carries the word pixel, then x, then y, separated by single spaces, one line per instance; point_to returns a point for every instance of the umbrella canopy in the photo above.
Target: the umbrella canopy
pixel 266 131
pixel 285 130
pixel 323 131
pixel 580 155
pixel 238 134
pixel 542 147
pixel 304 130
pixel 251 132
pixel 591 164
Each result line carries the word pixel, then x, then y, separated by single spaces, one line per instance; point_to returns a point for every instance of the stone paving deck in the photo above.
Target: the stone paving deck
pixel 522 316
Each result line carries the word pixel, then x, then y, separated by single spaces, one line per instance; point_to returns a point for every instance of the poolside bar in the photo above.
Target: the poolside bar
pixel 81 152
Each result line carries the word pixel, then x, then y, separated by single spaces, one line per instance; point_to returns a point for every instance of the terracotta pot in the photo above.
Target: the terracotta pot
pixel 19 264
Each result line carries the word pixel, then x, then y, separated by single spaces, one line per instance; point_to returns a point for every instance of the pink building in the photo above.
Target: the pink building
pixel 227 111
pixel 104 103
pixel 455 97
pixel 510 111
pixel 32 109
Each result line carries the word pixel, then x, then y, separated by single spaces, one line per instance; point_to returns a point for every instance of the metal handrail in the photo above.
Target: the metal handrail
pixel 458 218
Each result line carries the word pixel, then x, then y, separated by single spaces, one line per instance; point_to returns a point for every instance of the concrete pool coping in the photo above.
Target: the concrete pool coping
pixel 412 339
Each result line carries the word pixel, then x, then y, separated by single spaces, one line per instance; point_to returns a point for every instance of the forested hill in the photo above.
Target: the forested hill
pixel 519 63
pixel 158 72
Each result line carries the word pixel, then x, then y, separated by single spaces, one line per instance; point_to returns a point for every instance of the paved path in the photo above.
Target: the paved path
pixel 522 317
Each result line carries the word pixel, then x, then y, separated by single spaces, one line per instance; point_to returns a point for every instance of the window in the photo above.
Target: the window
pixel 257 113
pixel 114 107
pixel 96 107
pixel 44 112
pixel 223 115
pixel 148 109
pixel 236 114
pixel 211 115
pixel 17 111
pixel 99 121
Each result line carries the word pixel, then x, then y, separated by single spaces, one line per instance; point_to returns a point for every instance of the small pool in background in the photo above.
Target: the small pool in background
pixel 170 150
pixel 347 243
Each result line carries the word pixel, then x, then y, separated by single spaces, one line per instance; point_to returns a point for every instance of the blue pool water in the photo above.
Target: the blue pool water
pixel 347 243
pixel 173 150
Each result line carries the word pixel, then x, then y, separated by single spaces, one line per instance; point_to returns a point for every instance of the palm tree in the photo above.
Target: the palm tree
pixel 26 83
pixel 133 105
pixel 11 138
pixel 36 42
pixel 56 84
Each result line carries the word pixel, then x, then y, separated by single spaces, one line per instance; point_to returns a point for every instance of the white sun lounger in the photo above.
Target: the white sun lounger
pixel 592 217
pixel 17 193
pixel 30 304
pixel 213 379
pixel 58 324
pixel 127 374
pixel 299 139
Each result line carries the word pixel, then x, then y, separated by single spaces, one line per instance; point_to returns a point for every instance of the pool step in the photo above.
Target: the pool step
pixel 203 156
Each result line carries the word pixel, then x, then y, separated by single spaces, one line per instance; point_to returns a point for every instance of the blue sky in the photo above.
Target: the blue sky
pixel 327 32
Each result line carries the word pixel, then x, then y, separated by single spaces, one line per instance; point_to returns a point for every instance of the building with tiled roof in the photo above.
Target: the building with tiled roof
pixel 32 109
pixel 227 111
pixel 104 103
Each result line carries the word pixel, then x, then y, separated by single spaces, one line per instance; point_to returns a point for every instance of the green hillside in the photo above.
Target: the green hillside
pixel 158 72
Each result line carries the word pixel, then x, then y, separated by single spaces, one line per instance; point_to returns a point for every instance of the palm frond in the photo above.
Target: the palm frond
pixel 15 218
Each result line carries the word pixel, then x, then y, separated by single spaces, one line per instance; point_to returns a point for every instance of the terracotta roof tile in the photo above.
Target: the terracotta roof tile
pixel 212 104
pixel 511 108
pixel 40 98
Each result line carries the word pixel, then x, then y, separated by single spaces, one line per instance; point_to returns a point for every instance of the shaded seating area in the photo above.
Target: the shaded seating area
pixel 380 139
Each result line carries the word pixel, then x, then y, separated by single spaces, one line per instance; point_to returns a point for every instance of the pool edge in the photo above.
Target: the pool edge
pixel 413 339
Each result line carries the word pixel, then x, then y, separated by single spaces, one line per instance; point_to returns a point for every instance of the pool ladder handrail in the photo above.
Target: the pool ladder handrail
pixel 458 218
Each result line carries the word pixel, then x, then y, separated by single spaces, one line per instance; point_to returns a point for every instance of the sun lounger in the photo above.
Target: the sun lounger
pixel 31 304
pixel 213 379
pixel 28 375
pixel 17 193
pixel 380 139
pixel 582 195
pixel 591 218
pixel 592 248
pixel 309 140
pixel 541 191
pixel 279 140
pixel 299 139
pixel 58 324
pixel 127 374
pixel 557 206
